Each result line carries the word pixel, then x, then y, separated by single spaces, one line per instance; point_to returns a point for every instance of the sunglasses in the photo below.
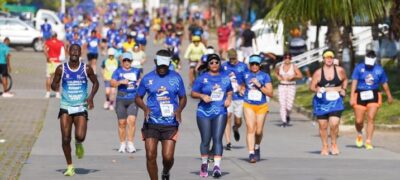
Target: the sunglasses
pixel 287 57
pixel 254 63
pixel 213 62
pixel 124 60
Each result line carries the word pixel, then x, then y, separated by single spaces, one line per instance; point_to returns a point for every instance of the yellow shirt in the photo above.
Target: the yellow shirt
pixel 109 66
pixel 128 46
pixel 194 53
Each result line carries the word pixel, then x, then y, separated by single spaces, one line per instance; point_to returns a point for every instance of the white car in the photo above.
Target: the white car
pixel 20 33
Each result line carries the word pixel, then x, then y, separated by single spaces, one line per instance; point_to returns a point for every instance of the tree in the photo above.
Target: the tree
pixel 336 13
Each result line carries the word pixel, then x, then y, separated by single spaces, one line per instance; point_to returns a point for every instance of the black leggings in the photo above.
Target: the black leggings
pixel 211 128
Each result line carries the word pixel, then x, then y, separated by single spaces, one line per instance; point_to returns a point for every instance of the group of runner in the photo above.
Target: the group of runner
pixel 224 89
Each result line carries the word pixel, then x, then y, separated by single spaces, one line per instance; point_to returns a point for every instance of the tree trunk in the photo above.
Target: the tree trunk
pixel 246 7
pixel 394 29
pixel 334 37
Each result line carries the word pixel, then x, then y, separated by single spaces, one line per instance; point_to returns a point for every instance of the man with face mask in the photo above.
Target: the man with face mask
pixel 165 103
pixel 366 96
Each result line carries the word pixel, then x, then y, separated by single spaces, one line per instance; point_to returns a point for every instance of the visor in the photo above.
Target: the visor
pixel 163 60
pixel 370 61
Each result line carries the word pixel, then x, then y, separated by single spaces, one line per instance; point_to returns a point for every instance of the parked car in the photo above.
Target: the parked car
pixel 20 33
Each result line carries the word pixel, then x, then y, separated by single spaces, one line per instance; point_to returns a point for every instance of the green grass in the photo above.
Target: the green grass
pixel 387 114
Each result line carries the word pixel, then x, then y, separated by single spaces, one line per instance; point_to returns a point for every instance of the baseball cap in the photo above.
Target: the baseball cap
pixel 232 53
pixel 255 59
pixel 127 55
pixel 196 38
pixel 213 56
pixel 163 60
pixel 328 53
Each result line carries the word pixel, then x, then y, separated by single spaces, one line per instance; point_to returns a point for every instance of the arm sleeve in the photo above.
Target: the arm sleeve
pixel 197 85
pixel 355 74
pixel 267 79
pixel 142 88
pixel 115 75
pixel 188 50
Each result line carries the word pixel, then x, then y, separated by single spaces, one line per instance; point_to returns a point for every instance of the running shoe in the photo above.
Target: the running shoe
pixel 216 172
pixel 47 95
pixel 165 176
pixel 334 150
pixel 106 104
pixel 58 96
pixel 288 119
pixel 204 170
pixel 79 150
pixel 228 147
pixel 283 125
pixel 325 151
pixel 70 171
pixel 257 154
pixel 111 108
pixel 252 158
pixel 236 134
pixel 131 148
pixel 359 141
pixel 7 95
pixel 122 148
pixel 369 146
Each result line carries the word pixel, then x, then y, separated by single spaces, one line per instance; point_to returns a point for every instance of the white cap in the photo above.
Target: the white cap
pixel 111 51
pixel 210 51
pixel 370 61
pixel 163 60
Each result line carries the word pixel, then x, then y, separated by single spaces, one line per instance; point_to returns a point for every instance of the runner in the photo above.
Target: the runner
pixel 129 44
pixel 287 74
pixel 223 38
pixel 235 70
pixel 53 50
pixel 139 58
pixel 126 79
pixel 92 46
pixel 5 66
pixel 75 102
pixel 248 39
pixel 46 30
pixel 329 83
pixel 193 53
pixel 215 93
pixel 257 86
pixel 366 97
pixel 162 112
pixel 108 67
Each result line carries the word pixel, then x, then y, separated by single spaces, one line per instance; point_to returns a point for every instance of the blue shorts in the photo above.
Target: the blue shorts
pixel 107 84
pixel 142 42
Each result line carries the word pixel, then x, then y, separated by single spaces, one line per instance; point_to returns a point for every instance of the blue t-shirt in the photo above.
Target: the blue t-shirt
pixel 217 88
pixel 4 51
pixel 111 34
pixel 369 79
pixel 126 91
pixel 93 44
pixel 163 96
pixel 76 41
pixel 236 74
pixel 46 30
pixel 252 94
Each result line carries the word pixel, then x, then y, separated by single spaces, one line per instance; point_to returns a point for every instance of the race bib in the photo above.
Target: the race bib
pixel 75 109
pixel 217 96
pixel 93 43
pixel 136 63
pixel 254 95
pixel 167 110
pixel 130 76
pixel 366 95
pixel 332 96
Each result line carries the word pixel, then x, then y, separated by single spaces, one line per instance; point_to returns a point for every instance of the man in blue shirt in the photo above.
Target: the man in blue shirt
pixel 92 46
pixel 5 67
pixel 165 102
pixel 46 30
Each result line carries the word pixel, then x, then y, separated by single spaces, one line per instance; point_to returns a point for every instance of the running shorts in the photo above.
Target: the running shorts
pixel 236 108
pixel 258 109
pixel 376 101
pixel 125 108
pixel 160 132
pixel 64 111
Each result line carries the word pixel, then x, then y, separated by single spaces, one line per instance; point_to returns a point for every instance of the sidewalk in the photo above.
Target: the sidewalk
pixel 287 153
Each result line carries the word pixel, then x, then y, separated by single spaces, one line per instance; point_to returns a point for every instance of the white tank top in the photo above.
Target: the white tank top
pixel 289 73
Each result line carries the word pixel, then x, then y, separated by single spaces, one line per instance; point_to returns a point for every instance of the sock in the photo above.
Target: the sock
pixel 257 146
pixel 70 166
pixel 217 161
pixel 204 159
pixel 123 143
pixel 251 152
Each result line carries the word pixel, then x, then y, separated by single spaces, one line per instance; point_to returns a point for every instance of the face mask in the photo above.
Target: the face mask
pixel 370 61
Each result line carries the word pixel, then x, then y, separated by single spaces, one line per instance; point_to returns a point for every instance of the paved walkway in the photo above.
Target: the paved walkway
pixel 290 153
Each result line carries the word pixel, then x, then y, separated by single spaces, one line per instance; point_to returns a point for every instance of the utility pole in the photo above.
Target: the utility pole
pixel 62 6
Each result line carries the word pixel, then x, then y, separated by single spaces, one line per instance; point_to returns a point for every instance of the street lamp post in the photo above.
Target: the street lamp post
pixel 63 6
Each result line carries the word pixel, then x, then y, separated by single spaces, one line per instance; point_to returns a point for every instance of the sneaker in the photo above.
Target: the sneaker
pixel 164 176
pixel 79 150
pixel 216 172
pixel 288 119
pixel 334 150
pixel 131 148
pixel 283 125
pixel 122 148
pixel 257 154
pixel 7 95
pixel 204 170
pixel 252 158
pixel 47 95
pixel 236 134
pixel 368 146
pixel 359 141
pixel 70 171
pixel 58 96
pixel 228 147
pixel 111 108
pixel 325 151
pixel 106 104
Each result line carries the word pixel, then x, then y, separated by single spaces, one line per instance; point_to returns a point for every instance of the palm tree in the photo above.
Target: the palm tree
pixel 336 13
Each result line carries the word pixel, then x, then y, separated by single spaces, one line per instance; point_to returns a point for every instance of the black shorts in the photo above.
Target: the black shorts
pixel 376 100
pixel 64 111
pixel 91 56
pixel 160 132
pixel 3 70
pixel 334 113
